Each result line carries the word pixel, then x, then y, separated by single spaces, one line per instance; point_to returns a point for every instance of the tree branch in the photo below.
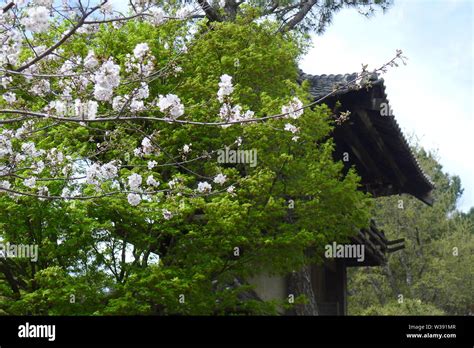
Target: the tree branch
pixel 8 7
pixel 60 42
pixel 210 12
pixel 298 17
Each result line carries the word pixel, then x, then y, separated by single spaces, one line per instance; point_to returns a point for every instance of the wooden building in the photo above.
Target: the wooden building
pixel 373 142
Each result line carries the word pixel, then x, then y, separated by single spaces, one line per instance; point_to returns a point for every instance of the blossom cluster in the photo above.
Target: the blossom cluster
pixel 33 161
pixel 106 79
pixel 11 46
pixel 205 187
pixel 141 62
pixel 135 101
pixel 225 88
pixel 294 109
pixel 234 114
pixel 80 86
pixel 227 112
pixel 135 181
pixel 37 19
pixel 97 173
pixel 171 105
pixel 293 129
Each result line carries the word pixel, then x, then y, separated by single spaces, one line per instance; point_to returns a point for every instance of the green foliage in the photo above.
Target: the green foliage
pixel 62 233
pixel 84 244
pixel 408 307
pixel 436 264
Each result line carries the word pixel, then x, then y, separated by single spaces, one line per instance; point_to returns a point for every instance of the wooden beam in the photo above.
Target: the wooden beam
pixel 376 237
pixel 361 153
pixel 368 242
pixel 391 250
pixel 375 135
pixel 396 241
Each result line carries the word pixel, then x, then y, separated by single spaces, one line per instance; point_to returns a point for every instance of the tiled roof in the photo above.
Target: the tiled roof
pixel 321 85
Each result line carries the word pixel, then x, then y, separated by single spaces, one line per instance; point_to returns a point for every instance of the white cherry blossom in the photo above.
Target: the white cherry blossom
pixel 204 187
pixel 106 79
pixel 30 182
pixel 37 19
pixel 150 181
pixel 291 128
pixel 187 148
pixel 225 87
pixel 134 181
pixel 90 62
pixel 9 97
pixel 167 215
pixel 147 146
pixel 134 199
pixel 171 105
pixel 220 179
pixel 293 108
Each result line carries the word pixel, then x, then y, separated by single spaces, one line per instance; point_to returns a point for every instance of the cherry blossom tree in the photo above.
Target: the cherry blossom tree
pixel 117 118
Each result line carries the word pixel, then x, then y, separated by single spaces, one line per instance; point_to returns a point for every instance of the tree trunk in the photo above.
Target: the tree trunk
pixel 299 283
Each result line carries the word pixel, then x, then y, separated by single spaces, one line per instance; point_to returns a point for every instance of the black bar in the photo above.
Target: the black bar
pixel 290 331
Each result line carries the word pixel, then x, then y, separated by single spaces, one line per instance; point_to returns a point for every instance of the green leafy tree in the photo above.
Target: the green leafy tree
pixel 407 307
pixel 99 250
pixel 435 268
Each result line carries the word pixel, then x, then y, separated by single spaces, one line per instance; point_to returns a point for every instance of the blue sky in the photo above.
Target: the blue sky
pixel 432 96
